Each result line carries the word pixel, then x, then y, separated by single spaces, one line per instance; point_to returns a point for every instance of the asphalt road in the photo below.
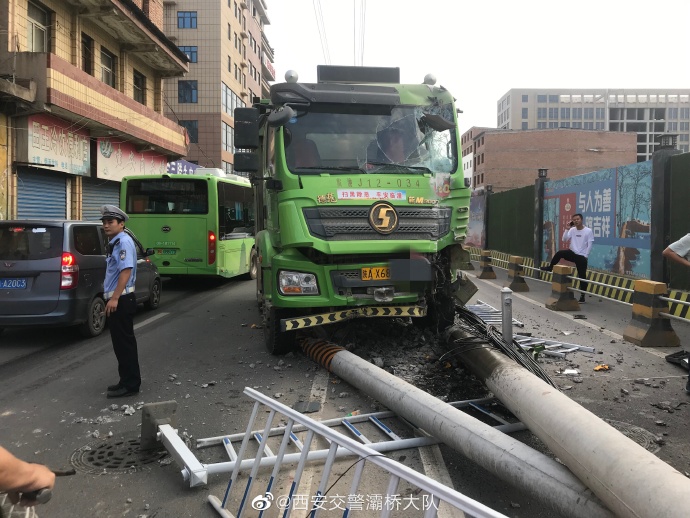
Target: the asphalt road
pixel 200 348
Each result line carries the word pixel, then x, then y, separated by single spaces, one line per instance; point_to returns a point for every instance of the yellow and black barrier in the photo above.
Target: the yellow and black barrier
pixel 485 264
pixel 291 324
pixel 517 281
pixel 647 327
pixel 561 298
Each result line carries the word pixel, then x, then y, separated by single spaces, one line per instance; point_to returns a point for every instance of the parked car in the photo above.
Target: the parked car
pixel 52 271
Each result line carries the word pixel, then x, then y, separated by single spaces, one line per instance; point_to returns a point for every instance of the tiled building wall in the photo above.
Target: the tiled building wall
pixel 510 159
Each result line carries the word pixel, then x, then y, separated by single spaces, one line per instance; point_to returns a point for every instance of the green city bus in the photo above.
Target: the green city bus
pixel 198 224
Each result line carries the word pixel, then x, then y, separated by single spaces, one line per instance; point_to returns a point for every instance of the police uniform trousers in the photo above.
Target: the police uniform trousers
pixel 121 324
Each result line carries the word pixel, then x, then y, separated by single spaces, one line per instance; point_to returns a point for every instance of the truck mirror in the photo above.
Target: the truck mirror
pixel 274 185
pixel 246 128
pixel 246 162
pixel 280 117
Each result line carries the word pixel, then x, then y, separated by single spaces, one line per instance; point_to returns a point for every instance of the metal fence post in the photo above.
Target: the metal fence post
pixel 507 312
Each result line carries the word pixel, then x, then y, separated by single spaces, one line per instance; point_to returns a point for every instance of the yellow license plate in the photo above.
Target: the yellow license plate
pixel 376 274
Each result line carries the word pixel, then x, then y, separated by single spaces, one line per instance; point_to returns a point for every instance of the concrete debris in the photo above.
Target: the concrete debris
pixel 578 380
pixel 114 407
pixel 625 392
pixel 344 394
pixel 378 362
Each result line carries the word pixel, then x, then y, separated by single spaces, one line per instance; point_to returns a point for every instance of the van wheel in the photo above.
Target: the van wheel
pixel 155 296
pixel 95 319
pixel 253 264
pixel 277 342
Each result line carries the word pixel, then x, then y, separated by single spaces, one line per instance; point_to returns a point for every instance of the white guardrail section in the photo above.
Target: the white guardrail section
pixel 252 500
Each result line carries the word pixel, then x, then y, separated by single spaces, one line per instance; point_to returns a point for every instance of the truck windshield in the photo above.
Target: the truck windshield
pixel 383 139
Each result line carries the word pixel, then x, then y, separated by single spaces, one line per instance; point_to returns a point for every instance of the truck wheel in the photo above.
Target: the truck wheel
pixel 277 342
pixel 253 264
pixel 95 319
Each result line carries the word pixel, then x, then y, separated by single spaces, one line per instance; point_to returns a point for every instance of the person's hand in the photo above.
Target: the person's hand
pixel 41 478
pixel 111 306
pixel 572 224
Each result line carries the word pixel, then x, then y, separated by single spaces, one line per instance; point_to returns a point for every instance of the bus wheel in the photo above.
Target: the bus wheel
pixel 253 264
pixel 277 342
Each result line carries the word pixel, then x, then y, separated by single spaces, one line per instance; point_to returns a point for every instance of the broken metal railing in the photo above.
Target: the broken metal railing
pixel 433 493
pixel 490 314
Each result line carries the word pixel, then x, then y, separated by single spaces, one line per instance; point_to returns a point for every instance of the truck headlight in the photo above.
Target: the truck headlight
pixel 297 283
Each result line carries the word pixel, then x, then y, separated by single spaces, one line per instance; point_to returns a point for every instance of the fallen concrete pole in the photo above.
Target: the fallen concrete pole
pixel 629 480
pixel 507 458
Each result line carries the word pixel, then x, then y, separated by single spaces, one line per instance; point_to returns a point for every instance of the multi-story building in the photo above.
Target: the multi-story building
pixel 647 112
pixel 508 159
pixel 81 99
pixel 230 65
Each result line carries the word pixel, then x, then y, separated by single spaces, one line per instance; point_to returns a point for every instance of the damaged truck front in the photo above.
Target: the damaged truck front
pixel 361 203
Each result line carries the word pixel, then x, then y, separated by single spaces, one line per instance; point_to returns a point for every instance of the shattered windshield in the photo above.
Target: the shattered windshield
pixel 371 139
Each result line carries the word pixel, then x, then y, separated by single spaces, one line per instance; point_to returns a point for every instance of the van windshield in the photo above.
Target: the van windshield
pixel 21 242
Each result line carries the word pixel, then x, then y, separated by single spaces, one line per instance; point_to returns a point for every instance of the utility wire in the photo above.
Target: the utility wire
pixel 322 31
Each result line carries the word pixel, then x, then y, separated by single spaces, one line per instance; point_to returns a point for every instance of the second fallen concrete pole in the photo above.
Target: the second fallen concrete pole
pixel 630 480
pixel 500 454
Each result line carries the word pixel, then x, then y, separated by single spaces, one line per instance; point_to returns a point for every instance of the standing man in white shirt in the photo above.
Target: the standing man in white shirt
pixel 679 252
pixel 580 240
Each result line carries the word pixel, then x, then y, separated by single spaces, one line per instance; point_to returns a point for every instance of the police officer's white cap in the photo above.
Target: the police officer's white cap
pixel 113 212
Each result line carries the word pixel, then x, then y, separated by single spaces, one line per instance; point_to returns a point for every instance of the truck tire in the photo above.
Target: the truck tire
pixel 95 319
pixel 253 264
pixel 277 342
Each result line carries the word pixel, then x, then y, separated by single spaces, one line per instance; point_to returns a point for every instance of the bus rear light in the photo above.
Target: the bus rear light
pixel 69 272
pixel 211 247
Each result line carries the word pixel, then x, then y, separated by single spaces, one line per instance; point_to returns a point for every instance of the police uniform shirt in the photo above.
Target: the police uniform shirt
pixel 123 256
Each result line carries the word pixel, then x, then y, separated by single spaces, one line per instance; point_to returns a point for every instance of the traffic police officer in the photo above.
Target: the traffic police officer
pixel 118 290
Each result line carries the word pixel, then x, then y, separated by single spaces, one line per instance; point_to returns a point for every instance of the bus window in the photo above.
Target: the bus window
pixel 167 196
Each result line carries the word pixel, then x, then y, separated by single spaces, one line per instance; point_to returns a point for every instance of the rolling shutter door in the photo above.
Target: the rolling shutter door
pixel 94 193
pixel 41 195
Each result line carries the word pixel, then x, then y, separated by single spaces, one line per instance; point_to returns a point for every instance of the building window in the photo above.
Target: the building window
pixel 577 125
pixel 108 68
pixel 671 126
pixel 553 113
pixel 541 125
pixel 589 113
pixel 600 125
pixel 684 126
pixel 227 137
pixel 577 113
pixel 565 113
pixel 191 53
pixel 685 113
pixel 229 32
pixel 139 87
pixel 589 125
pixel 541 98
pixel 525 98
pixel 553 125
pixel 524 113
pixel 192 127
pixel 186 19
pixel 553 98
pixel 187 92
pixel 86 54
pixel 525 125
pixel 541 113
pixel 229 64
pixel 601 114
pixel 37 28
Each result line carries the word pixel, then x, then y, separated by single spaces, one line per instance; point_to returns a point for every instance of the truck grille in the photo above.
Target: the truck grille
pixel 352 223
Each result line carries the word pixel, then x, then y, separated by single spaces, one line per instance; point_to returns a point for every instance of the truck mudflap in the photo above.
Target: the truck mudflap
pixel 290 324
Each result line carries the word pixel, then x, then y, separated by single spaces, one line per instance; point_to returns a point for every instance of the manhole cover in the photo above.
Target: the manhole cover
pixel 114 456
pixel 647 440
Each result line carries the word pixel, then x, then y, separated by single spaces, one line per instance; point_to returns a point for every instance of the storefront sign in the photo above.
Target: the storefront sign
pixel 57 143
pixel 118 158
